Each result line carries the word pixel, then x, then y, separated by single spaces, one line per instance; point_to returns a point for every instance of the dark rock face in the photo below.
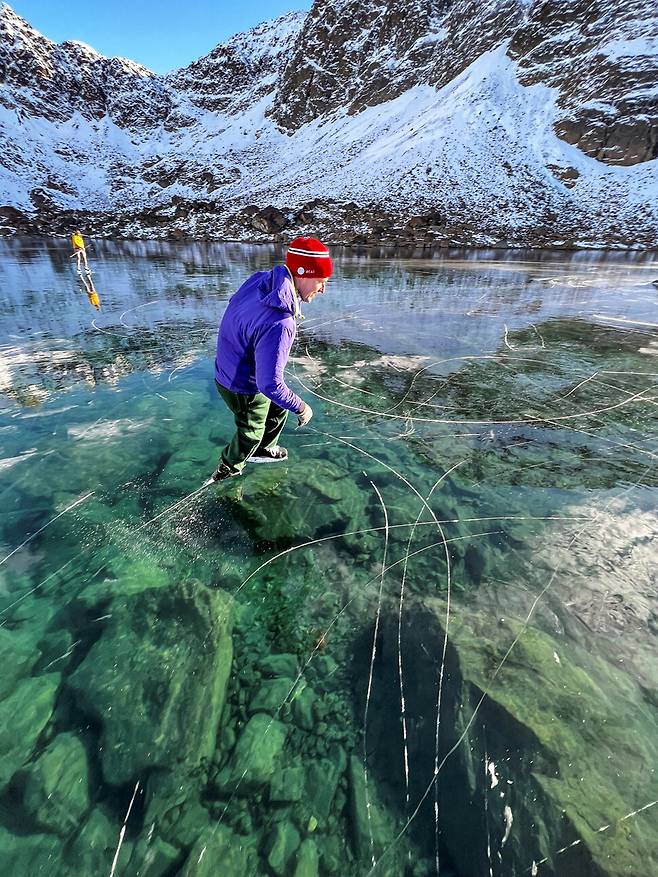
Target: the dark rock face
pixel 337 63
pixel 240 72
pixel 283 130
pixel 603 58
pixel 357 55
pixel 40 78
pixel 600 56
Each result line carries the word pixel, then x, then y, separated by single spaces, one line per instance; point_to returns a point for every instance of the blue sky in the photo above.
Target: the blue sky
pixel 161 34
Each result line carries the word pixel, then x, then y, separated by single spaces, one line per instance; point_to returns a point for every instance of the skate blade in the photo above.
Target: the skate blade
pixel 266 462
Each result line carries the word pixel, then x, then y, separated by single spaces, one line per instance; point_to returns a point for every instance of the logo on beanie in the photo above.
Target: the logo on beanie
pixel 308 257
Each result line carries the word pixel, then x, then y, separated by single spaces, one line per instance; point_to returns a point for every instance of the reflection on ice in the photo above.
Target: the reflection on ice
pixel 425 644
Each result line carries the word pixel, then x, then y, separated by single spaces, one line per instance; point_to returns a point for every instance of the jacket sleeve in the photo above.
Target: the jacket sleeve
pixel 272 351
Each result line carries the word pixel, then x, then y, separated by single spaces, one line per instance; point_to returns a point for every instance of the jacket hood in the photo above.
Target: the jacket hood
pixel 277 290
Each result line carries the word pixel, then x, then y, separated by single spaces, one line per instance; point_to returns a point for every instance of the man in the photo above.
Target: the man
pixel 79 248
pixel 253 345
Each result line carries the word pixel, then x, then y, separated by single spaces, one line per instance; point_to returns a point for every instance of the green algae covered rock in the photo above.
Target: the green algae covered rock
pixel 281 846
pixel 302 708
pixel 191 821
pixel 371 831
pixel 17 657
pixel 152 858
pixel 220 852
pixel 573 716
pixel 34 854
pixel 279 665
pixel 57 786
pixel 302 503
pixel 174 807
pixel 57 648
pixel 258 751
pixel 156 679
pixel 322 778
pixel 325 666
pixel 287 784
pixel 332 854
pixel 129 576
pixel 23 716
pixel 270 696
pixel 93 850
pixel 308 860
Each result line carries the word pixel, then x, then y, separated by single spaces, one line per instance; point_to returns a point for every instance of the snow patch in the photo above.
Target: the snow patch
pixel 641 46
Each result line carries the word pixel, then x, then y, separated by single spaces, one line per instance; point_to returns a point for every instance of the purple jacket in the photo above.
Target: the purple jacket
pixel 255 337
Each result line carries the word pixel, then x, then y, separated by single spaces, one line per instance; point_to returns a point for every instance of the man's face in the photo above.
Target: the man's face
pixel 308 287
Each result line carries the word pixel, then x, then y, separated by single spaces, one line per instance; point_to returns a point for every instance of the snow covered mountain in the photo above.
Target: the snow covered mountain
pixel 515 122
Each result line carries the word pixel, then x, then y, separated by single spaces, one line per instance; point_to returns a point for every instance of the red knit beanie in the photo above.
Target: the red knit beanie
pixel 308 257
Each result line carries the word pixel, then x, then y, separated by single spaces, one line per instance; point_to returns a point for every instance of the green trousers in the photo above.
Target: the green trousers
pixel 258 423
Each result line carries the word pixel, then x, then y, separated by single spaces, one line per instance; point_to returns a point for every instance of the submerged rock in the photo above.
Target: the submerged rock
pixel 553 721
pixel 257 752
pixel 271 696
pixel 17 657
pixel 129 576
pixel 219 851
pixel 33 854
pixel 279 665
pixel 152 858
pixel 332 854
pixel 322 778
pixel 287 785
pixel 57 786
pixel 302 708
pixel 310 500
pixel 570 719
pixel 308 860
pixel 325 666
pixel 174 807
pixel 94 849
pixel 156 679
pixel 23 716
pixel 189 461
pixel 57 648
pixel 371 832
pixel 281 846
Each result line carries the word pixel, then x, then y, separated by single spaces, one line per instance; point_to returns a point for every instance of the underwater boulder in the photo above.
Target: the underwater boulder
pixel 152 858
pixel 220 851
pixel 322 778
pixel 156 679
pixel 287 784
pixel 271 696
pixel 308 860
pixel 281 846
pixel 257 753
pixel 568 720
pixel 301 502
pixel 29 854
pixel 57 786
pixel 94 849
pixel 18 654
pixel 372 827
pixel 23 716
pixel 279 665
pixel 173 807
pixel 537 733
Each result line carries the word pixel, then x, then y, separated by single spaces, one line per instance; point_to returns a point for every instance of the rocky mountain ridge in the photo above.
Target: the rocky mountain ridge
pixel 520 123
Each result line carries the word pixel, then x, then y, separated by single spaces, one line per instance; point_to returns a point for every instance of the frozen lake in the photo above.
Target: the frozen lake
pixel 425 644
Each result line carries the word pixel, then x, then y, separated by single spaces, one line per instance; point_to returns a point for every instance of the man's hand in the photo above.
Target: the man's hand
pixel 304 415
